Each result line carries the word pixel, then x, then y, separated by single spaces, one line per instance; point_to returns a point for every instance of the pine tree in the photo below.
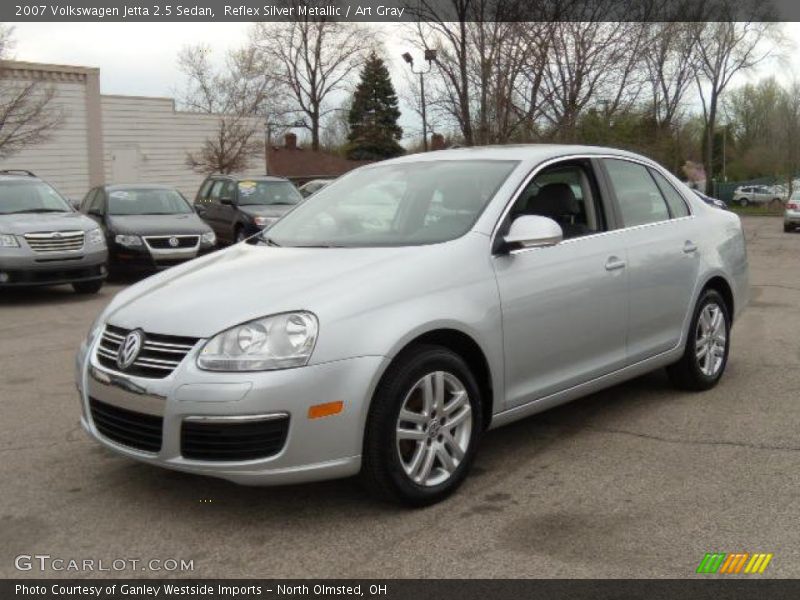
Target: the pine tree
pixel 373 115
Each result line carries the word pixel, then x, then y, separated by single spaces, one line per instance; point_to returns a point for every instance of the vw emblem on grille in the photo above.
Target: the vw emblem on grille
pixel 129 349
pixel 173 241
pixel 57 235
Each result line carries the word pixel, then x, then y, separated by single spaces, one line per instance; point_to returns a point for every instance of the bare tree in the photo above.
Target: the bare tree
pixel 312 58
pixel 592 63
pixel 670 61
pixel 241 94
pixel 230 151
pixel 28 111
pixel 725 47
pixel 486 80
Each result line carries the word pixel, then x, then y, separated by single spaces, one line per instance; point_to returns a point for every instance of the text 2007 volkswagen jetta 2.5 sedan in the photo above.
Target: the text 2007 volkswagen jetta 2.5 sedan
pixel 381 326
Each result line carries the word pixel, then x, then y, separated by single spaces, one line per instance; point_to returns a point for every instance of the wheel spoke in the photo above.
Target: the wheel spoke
pixel 438 391
pixel 458 418
pixel 452 446
pixel 444 457
pixel 427 395
pixel 426 465
pixel 416 460
pixel 407 416
pixel 702 351
pixel 410 434
pixel 458 400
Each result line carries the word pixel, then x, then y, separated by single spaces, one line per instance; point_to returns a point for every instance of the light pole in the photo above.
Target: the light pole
pixel 430 56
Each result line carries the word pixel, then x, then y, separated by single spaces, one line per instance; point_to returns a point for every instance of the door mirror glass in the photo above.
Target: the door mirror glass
pixel 531 231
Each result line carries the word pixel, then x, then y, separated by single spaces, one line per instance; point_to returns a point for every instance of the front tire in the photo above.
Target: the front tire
pixel 708 343
pixel 787 228
pixel 743 202
pixel 87 287
pixel 423 427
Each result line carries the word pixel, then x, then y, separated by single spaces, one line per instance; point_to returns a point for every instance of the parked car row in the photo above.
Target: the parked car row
pixel 47 240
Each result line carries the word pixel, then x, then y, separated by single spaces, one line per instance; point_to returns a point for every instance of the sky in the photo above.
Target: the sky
pixel 140 59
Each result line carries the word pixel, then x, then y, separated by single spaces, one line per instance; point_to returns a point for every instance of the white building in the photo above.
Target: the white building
pixel 112 139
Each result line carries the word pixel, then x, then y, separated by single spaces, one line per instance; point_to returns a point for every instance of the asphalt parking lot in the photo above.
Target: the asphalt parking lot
pixel 636 481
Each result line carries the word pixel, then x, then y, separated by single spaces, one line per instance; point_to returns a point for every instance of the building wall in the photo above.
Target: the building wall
pixel 64 159
pixel 111 139
pixel 146 141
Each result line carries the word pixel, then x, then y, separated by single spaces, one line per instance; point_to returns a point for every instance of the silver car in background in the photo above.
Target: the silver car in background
pixel 791 215
pixel 381 333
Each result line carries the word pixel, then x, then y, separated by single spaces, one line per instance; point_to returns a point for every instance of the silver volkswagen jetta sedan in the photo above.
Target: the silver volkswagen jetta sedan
pixel 384 324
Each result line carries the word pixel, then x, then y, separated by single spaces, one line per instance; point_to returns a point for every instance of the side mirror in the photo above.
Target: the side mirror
pixel 76 204
pixel 226 200
pixel 93 212
pixel 532 231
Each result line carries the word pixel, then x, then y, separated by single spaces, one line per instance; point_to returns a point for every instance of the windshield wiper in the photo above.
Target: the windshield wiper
pixel 36 210
pixel 270 241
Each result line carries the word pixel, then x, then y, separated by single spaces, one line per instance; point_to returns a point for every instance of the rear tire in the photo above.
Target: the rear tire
pixel 707 345
pixel 421 457
pixel 743 202
pixel 87 287
pixel 787 228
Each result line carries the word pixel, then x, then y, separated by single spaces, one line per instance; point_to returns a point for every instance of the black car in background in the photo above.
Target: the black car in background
pixel 238 207
pixel 147 227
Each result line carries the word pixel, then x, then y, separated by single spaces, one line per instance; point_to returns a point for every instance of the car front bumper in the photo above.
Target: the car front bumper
pixel 23 269
pixel 314 449
pixel 143 258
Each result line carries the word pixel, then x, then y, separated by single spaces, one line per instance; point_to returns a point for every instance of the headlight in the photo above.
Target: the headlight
pixel 95 236
pixel 8 241
pixel 209 239
pixel 277 342
pixel 264 221
pixel 128 240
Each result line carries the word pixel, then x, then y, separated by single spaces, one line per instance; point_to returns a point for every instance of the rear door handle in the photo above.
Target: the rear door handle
pixel 689 247
pixel 613 263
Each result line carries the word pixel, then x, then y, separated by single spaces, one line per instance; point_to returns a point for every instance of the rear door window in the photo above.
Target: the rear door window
pixel 639 199
pixel 676 203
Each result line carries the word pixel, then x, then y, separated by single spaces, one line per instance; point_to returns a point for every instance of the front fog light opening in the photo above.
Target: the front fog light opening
pixel 5 277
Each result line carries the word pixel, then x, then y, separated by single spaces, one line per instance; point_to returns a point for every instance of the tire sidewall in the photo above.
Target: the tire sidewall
pixel 393 392
pixel 708 297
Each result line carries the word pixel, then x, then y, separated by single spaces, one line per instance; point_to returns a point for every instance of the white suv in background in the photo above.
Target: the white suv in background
pixel 758 194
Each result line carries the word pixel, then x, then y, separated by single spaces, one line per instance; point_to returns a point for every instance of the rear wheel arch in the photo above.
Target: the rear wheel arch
pixel 721 285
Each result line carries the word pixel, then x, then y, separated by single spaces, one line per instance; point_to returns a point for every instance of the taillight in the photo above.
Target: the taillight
pixel 792 206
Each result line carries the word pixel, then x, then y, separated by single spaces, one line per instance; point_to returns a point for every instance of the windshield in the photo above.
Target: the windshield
pixel 30 196
pixel 268 192
pixel 147 201
pixel 404 204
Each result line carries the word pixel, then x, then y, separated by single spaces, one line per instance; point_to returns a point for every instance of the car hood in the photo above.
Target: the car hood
pixel 266 210
pixel 22 223
pixel 157 224
pixel 245 282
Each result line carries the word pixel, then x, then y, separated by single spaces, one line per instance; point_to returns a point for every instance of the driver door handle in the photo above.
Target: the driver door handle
pixel 689 247
pixel 614 263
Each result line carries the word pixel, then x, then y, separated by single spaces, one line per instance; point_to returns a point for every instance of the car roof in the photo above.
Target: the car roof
pixel 139 186
pixel 533 153
pixel 10 177
pixel 246 178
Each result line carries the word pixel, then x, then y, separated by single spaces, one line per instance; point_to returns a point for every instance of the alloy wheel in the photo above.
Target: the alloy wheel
pixel 434 428
pixel 711 339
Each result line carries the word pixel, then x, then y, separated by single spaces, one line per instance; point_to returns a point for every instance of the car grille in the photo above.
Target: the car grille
pixel 159 356
pixel 55 241
pixel 228 440
pixel 127 427
pixel 162 243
